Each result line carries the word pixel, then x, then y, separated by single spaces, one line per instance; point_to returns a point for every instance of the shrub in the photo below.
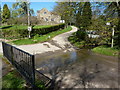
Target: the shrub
pixel 21 31
pixel 81 35
pixel 45 30
pixel 22 20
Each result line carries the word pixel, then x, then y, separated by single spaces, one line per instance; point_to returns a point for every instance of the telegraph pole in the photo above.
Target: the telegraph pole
pixel 28 13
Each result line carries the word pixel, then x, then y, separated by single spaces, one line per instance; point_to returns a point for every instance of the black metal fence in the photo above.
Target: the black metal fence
pixel 21 60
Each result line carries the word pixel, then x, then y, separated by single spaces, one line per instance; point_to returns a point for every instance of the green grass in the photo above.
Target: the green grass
pixel 1 55
pixel 5 26
pixel 106 51
pixel 39 26
pixel 41 38
pixel 12 80
pixel 12 27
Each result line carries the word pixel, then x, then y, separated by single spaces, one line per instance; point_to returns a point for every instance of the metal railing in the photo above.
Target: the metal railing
pixel 22 61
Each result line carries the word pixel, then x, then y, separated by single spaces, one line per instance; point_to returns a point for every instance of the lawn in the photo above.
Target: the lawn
pixel 106 51
pixel 39 26
pixel 40 38
pixel 13 80
pixel 12 27
pixel 1 55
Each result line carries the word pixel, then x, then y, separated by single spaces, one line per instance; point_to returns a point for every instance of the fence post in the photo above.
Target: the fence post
pixel 3 48
pixel 33 70
pixel 11 54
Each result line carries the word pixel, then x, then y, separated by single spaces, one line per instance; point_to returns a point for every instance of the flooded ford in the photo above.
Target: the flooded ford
pixel 79 69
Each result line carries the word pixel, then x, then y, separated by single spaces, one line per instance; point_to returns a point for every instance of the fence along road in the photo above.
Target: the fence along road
pixel 1 48
pixel 24 63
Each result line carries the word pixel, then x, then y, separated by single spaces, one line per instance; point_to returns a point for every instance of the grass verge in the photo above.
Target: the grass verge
pixel 106 51
pixel 13 80
pixel 1 55
pixel 41 38
pixel 12 27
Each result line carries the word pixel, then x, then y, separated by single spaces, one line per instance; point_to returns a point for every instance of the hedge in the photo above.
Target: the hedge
pixel 21 33
pixel 46 30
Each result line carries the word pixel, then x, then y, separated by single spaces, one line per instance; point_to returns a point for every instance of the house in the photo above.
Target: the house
pixel 47 16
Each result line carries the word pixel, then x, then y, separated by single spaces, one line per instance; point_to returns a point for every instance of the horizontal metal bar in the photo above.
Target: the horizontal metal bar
pixel 18 49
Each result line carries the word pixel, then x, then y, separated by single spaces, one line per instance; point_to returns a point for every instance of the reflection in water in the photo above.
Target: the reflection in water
pixel 47 64
pixel 64 59
pixel 78 67
pixel 53 65
pixel 73 56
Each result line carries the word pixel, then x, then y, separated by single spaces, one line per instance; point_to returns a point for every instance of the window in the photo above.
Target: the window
pixel 52 19
pixel 46 19
pixel 45 12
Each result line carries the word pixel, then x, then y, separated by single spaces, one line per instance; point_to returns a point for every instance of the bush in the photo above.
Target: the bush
pixel 21 31
pixel 33 20
pixel 81 35
pixel 22 20
pixel 45 30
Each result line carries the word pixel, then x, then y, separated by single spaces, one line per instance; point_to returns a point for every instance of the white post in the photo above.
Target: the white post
pixel 112 37
pixel 29 35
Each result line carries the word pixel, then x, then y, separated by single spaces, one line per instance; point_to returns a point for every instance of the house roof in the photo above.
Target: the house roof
pixel 44 9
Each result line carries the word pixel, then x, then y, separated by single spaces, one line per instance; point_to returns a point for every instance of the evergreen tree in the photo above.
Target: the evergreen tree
pixel 6 13
pixel 86 15
pixel 79 14
pixel 78 19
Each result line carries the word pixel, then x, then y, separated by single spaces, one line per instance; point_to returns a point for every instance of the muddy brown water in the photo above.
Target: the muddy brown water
pixel 79 69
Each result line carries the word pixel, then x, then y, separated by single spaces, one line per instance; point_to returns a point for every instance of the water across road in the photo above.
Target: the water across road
pixel 79 69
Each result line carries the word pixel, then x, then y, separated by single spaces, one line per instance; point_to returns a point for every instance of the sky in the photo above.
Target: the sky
pixel 35 5
pixel 38 5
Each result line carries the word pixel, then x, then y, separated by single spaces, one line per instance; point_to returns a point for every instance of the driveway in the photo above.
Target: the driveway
pixel 59 42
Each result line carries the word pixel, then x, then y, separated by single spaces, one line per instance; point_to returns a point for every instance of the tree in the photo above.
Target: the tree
pixel 0 15
pixel 79 14
pixel 86 15
pixel 5 14
pixel 20 8
pixel 67 12
pixel 112 11
pixel 83 20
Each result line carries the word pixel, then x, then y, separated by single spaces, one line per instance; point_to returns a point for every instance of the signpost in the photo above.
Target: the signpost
pixel 112 33
pixel 29 29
